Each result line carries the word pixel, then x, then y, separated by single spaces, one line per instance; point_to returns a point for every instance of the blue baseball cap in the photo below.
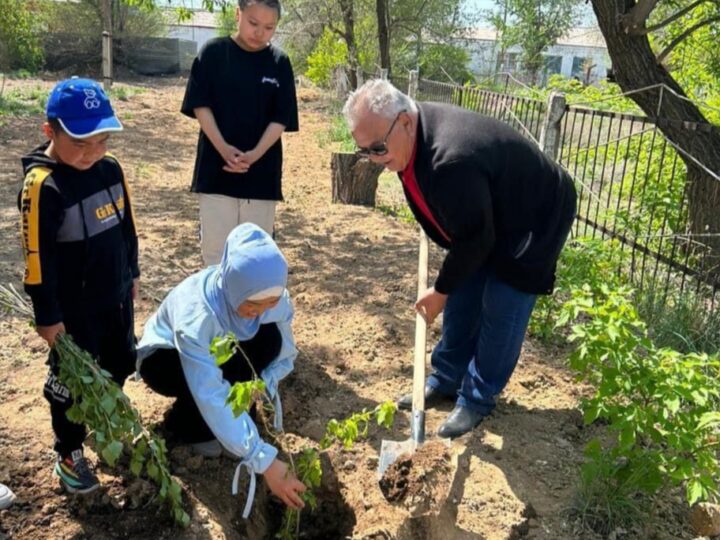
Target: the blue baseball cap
pixel 82 108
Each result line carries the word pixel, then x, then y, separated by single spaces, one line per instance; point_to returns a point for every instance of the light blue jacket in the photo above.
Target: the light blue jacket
pixel 203 307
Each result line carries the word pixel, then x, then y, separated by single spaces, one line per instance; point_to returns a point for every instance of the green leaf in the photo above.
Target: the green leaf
pixel 694 491
pixel 386 414
pixel 175 490
pixel 673 404
pixel 223 348
pixel 75 414
pixel 108 404
pixel 709 419
pixel 136 467
pixel 112 452
pixel 152 470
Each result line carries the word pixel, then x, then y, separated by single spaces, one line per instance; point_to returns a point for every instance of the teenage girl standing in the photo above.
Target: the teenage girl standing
pixel 242 91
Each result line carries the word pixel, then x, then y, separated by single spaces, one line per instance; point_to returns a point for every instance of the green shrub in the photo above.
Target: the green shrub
pixel 584 261
pixel 329 52
pixel 658 403
pixel 20 30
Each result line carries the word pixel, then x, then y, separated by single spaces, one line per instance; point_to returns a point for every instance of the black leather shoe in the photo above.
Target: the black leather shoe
pixel 460 421
pixel 432 397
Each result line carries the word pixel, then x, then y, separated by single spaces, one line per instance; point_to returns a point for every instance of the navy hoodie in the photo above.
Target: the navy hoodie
pixel 78 237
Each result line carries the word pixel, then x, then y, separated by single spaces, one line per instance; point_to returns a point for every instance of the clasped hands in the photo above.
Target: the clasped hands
pixel 237 161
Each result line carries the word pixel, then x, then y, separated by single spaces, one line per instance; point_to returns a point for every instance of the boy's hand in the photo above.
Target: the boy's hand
pixel 233 159
pixel 284 484
pixel 135 288
pixel 50 333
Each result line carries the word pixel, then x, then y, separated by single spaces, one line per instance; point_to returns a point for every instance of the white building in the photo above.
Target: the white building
pixel 200 28
pixel 581 53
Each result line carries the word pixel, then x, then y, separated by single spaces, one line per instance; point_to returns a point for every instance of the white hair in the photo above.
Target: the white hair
pixel 377 96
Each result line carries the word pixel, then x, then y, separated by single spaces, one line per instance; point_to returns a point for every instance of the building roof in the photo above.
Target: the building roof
pixel 576 37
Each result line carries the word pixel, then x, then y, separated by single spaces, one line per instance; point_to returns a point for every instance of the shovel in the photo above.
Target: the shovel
pixel 391 450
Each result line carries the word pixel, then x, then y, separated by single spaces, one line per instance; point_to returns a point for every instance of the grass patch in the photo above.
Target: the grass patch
pixel 683 321
pixel 124 93
pixel 23 102
pixel 606 503
pixel 390 199
pixel 337 137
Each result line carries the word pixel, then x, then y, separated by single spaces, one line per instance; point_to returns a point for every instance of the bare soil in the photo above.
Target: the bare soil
pixel 353 280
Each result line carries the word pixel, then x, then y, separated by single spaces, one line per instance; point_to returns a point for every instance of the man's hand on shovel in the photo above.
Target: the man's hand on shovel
pixel 430 304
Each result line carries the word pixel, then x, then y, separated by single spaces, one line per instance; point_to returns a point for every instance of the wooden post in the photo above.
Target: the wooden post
pixel 107 60
pixel 550 131
pixel 413 84
pixel 354 179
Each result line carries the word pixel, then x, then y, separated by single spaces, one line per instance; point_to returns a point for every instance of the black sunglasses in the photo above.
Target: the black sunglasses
pixel 379 148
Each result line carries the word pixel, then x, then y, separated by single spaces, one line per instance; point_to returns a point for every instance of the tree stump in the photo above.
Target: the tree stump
pixel 354 179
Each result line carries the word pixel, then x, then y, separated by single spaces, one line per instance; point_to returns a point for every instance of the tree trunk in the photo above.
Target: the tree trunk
pixel 348 14
pixel 381 7
pixel 354 179
pixel 635 66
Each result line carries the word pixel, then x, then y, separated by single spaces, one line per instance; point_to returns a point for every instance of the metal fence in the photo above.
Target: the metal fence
pixel 523 114
pixel 632 186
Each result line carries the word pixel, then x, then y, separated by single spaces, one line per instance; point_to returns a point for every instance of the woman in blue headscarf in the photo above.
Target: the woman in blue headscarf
pixel 245 294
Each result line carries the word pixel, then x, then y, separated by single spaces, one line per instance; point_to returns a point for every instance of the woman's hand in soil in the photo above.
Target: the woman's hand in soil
pixel 50 333
pixel 430 304
pixel 283 483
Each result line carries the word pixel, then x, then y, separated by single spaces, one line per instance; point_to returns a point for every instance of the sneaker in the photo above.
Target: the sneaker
pixel 6 497
pixel 75 473
pixel 208 449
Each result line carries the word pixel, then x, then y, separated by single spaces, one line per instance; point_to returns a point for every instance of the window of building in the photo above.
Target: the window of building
pixel 553 64
pixel 578 67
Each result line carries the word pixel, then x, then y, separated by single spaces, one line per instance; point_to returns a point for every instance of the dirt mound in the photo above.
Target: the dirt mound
pixel 420 481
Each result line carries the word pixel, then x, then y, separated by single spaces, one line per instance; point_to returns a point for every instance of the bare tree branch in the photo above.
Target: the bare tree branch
pixel 636 17
pixel 674 17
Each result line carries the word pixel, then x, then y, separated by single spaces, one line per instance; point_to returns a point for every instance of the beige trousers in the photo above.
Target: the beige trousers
pixel 220 214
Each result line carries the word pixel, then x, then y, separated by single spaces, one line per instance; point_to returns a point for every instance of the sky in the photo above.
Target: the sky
pixel 473 5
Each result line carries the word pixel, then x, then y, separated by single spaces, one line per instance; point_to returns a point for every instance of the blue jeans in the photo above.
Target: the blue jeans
pixel 484 324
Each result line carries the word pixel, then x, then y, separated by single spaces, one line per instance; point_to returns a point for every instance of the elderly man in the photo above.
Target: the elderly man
pixel 500 207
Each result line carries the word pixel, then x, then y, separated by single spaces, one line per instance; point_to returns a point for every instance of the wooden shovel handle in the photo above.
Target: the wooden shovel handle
pixel 418 396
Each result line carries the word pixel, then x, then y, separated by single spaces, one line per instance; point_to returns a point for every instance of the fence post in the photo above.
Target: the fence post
pixel 383 74
pixel 550 131
pixel 359 76
pixel 107 60
pixel 413 84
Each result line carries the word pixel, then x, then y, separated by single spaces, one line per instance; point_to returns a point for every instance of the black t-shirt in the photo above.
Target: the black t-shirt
pixel 246 91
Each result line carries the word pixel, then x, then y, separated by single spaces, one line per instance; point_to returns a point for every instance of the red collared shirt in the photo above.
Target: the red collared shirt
pixel 407 177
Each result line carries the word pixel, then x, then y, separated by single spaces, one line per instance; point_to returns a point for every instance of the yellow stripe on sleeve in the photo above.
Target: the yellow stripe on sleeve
pixel 30 223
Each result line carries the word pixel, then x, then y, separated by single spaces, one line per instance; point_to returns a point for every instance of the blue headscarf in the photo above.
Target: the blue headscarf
pixel 251 263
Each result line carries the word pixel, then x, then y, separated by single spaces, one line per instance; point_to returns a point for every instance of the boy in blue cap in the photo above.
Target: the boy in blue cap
pixel 81 253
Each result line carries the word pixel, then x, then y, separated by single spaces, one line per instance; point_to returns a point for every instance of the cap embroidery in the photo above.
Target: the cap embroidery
pixel 91 101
